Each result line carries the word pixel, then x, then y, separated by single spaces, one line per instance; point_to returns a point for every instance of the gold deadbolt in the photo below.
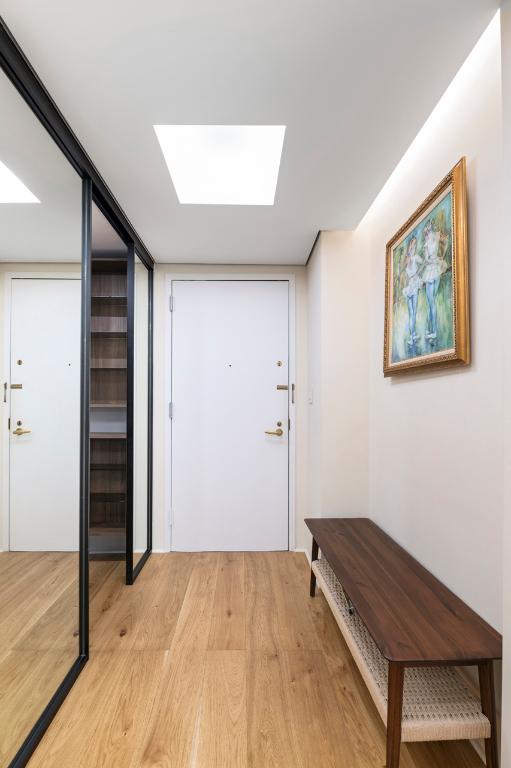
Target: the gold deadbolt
pixel 20 362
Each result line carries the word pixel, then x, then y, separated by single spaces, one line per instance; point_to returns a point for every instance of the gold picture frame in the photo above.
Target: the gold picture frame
pixel 427 285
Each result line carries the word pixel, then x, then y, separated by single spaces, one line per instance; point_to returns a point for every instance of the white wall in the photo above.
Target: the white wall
pixel 506 91
pixel 338 290
pixel 314 391
pixel 435 440
pixel 161 323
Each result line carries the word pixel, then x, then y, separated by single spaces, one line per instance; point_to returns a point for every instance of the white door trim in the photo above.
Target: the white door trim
pixel 171 277
pixel 4 470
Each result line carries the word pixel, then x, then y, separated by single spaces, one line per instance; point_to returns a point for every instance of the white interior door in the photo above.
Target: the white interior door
pixel 230 342
pixel 45 461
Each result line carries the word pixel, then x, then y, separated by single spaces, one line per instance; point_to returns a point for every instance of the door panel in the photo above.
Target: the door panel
pixel 229 353
pixel 44 462
pixel 140 410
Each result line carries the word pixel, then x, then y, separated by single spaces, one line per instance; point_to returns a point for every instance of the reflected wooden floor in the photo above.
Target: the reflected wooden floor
pixel 38 637
pixel 219 661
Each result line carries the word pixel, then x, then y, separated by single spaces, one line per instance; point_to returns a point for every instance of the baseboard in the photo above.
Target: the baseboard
pixel 306 553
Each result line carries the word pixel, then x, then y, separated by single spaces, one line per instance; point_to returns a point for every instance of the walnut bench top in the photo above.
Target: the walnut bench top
pixel 412 617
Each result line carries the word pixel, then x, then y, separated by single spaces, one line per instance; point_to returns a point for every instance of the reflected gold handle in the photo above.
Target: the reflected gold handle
pixel 278 432
pixel 20 431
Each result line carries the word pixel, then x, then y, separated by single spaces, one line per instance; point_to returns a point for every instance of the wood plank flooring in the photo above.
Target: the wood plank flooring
pixel 221 660
pixel 38 637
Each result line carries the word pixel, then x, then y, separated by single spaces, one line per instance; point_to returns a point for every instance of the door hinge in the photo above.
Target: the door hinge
pixel 171 410
pixel 171 303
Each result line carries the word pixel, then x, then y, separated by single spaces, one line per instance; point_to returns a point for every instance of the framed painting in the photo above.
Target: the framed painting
pixel 426 283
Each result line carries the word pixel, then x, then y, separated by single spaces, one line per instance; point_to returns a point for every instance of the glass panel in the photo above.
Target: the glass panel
pixel 108 408
pixel 141 403
pixel 40 315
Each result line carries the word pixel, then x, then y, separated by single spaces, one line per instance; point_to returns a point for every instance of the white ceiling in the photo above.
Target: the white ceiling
pixel 103 235
pixel 353 81
pixel 49 231
pixel 52 229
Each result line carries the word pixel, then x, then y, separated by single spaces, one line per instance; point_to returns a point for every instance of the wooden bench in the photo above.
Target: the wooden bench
pixel 407 633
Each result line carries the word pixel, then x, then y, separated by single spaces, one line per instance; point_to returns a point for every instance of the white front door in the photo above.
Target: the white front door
pixel 230 342
pixel 44 466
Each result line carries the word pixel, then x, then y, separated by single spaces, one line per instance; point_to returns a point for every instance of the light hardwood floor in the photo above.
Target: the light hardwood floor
pixel 221 661
pixel 38 637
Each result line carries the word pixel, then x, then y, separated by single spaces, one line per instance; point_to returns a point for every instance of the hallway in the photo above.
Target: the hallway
pixel 221 660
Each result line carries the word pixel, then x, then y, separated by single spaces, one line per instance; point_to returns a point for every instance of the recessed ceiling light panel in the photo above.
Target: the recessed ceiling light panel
pixel 223 164
pixel 12 190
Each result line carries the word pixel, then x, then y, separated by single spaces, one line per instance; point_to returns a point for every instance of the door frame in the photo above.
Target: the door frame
pixel 7 329
pixel 132 571
pixel 289 277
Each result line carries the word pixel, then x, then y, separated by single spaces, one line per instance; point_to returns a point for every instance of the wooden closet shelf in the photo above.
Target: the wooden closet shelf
pixel 106 528
pixel 107 496
pixel 109 404
pixel 108 363
pixel 108 435
pixel 108 467
pixel 121 297
pixel 111 334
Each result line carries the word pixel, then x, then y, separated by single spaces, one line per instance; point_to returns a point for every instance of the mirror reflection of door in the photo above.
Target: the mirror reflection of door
pixel 44 414
pixel 40 306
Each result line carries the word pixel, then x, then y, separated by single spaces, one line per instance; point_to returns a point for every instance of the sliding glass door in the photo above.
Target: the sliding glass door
pixel 140 286
pixel 42 633
pixel 75 361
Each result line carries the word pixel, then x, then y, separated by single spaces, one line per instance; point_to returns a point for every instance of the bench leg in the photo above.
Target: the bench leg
pixel 394 713
pixel 314 556
pixel 487 687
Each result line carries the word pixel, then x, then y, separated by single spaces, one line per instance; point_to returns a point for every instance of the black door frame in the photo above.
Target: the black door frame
pixel 18 69
pixel 133 571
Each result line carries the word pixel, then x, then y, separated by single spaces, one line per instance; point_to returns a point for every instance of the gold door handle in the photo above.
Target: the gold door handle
pixel 20 431
pixel 278 432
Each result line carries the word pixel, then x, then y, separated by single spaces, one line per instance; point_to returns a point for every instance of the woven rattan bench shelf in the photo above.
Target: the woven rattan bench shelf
pixel 408 635
pixel 437 705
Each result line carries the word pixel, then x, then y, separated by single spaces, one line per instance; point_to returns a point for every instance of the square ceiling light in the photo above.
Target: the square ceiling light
pixel 12 190
pixel 223 164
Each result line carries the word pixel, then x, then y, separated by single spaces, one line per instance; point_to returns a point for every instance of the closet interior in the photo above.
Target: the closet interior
pixel 108 392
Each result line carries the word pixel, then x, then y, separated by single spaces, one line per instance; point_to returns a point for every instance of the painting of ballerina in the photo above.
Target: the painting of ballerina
pixel 421 297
